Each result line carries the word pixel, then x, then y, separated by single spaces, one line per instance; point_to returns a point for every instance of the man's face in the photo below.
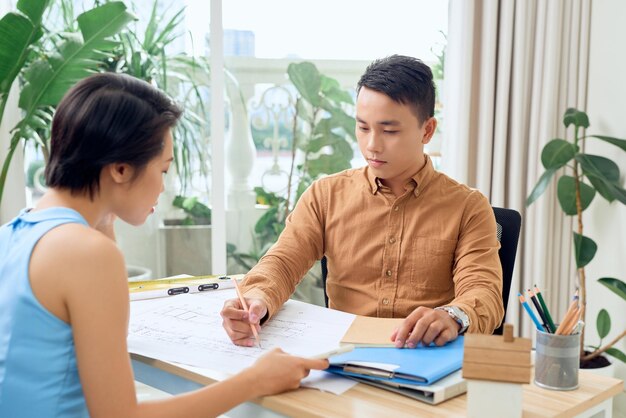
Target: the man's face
pixel 391 137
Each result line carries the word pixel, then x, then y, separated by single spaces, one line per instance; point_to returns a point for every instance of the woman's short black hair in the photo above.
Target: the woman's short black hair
pixel 106 118
pixel 405 80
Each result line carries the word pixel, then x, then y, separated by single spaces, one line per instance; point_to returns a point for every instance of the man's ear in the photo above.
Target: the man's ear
pixel 430 126
pixel 120 172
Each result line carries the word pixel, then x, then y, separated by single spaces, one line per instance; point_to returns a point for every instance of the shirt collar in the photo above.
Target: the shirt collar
pixel 419 179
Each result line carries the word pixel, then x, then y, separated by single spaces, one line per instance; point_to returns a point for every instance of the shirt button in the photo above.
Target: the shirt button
pixel 395 208
pixel 385 301
pixel 392 240
pixel 389 273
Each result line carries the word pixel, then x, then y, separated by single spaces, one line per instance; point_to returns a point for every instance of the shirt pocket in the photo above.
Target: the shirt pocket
pixel 431 263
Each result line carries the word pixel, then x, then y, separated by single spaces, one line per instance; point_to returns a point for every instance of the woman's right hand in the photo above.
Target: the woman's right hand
pixel 277 371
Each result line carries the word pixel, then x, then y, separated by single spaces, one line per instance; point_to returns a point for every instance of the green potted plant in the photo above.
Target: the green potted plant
pixel 321 144
pixel 49 63
pixel 584 176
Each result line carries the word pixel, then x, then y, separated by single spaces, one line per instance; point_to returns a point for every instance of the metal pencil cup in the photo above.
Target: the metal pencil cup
pixel 557 360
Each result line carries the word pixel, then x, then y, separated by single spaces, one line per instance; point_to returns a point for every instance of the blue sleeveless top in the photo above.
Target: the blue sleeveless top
pixel 38 372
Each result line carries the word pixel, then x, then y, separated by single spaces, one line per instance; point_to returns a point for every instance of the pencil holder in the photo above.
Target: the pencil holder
pixel 556 361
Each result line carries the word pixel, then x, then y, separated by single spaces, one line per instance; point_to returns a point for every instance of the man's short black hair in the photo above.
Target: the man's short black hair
pixel 106 118
pixel 405 80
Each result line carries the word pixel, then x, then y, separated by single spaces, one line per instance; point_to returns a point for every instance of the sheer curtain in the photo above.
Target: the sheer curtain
pixel 512 68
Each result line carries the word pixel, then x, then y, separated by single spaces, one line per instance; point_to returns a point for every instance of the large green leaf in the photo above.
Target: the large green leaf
pixel 616 353
pixel 615 285
pixel 566 192
pixel 615 141
pixel 34 9
pixel 619 193
pixel 603 323
pixel 576 117
pixel 17 33
pixel 557 153
pixel 596 165
pixel 345 121
pixel 47 81
pixel 540 187
pixel 306 78
pixel 604 188
pixel 332 90
pixel 584 250
pixel 328 164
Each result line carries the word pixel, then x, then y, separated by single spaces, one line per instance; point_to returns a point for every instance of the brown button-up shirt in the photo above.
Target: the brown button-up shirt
pixel 435 245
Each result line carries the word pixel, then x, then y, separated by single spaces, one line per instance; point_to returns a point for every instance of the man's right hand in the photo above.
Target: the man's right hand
pixel 236 320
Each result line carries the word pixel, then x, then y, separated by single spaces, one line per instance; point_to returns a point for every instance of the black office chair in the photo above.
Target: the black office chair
pixel 508 223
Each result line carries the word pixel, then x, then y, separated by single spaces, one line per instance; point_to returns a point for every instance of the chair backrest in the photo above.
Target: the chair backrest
pixel 509 223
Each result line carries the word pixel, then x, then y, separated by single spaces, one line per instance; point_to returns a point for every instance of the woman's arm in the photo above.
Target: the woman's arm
pixel 94 288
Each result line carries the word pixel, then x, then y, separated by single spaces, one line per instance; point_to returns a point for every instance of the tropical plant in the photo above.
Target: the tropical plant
pixel 590 174
pixel 48 66
pixel 148 56
pixel 322 131
pixel 197 212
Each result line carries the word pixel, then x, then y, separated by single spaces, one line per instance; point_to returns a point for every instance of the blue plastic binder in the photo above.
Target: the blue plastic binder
pixel 415 366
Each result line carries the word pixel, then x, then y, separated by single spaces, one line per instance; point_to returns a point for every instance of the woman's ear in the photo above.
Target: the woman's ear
pixel 120 173
pixel 430 126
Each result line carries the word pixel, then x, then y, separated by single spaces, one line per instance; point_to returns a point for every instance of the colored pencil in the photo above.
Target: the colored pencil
pixel 545 309
pixel 530 312
pixel 571 311
pixel 542 315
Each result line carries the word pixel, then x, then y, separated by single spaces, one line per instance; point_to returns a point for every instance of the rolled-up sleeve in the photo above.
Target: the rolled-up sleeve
pixel 477 272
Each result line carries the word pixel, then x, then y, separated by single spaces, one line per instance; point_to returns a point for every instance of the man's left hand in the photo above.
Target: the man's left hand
pixel 426 325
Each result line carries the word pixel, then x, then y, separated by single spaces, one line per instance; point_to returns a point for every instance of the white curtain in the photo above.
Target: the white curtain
pixel 512 68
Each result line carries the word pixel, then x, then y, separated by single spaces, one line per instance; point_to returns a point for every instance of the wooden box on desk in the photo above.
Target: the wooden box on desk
pixel 495 367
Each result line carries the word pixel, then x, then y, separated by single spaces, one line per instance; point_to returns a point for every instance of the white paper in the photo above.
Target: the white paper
pixel 188 329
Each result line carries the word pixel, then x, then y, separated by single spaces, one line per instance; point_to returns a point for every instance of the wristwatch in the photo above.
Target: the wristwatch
pixel 458 315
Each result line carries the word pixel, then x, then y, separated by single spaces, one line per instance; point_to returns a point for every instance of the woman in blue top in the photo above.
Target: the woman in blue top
pixel 64 301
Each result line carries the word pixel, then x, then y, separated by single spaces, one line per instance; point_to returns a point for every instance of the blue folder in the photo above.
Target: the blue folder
pixel 416 366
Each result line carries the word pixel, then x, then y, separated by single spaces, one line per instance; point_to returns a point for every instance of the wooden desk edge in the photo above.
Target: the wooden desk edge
pixel 291 403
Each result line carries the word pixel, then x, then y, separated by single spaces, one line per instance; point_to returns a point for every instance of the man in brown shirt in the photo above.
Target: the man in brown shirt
pixel 401 239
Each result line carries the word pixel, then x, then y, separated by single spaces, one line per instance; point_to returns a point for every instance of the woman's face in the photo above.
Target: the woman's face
pixel 143 193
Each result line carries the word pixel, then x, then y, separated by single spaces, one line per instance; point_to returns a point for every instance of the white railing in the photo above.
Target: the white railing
pixel 255 76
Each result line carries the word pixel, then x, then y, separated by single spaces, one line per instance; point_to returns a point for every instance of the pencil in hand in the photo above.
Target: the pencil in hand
pixel 245 307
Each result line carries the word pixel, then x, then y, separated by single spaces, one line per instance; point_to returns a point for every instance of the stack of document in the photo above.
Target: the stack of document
pixel 428 373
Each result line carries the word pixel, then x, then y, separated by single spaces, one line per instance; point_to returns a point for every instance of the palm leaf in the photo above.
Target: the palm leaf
pixel 75 59
pixel 17 32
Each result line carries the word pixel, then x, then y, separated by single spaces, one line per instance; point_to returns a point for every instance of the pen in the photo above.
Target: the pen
pixel 339 350
pixel 530 312
pixel 545 309
pixel 542 314
pixel 245 307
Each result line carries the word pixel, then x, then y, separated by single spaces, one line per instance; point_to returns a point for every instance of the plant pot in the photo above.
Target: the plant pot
pixel 138 273
pixel 186 249
pixel 602 365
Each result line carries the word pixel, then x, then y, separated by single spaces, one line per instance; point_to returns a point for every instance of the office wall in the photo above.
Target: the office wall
pixel 606 223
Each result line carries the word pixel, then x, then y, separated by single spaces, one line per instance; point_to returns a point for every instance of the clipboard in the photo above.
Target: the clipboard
pixel 172 286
